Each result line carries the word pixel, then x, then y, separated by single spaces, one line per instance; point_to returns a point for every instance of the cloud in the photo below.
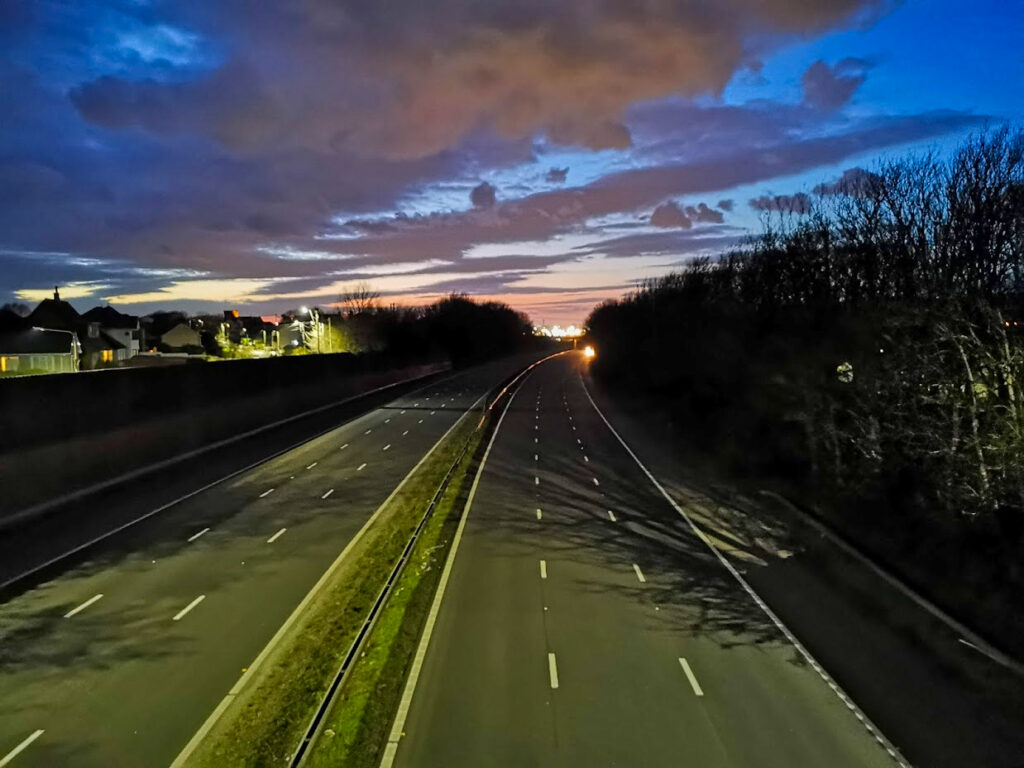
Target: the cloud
pixel 725 205
pixel 798 203
pixel 703 214
pixel 483 195
pixel 855 182
pixel 831 87
pixel 670 215
pixel 408 79
pixel 557 175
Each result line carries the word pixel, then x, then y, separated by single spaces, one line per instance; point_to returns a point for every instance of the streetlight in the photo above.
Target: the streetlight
pixel 76 345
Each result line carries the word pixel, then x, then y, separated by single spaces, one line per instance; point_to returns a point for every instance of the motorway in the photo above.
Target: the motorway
pixel 115 656
pixel 585 623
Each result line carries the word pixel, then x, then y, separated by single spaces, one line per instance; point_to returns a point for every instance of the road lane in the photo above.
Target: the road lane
pixel 616 632
pixel 129 686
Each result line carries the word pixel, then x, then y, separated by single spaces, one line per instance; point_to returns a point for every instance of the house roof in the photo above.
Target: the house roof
pixel 108 317
pixel 33 342
pixel 54 313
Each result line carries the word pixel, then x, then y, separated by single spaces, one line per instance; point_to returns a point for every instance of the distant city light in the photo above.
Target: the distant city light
pixel 557 331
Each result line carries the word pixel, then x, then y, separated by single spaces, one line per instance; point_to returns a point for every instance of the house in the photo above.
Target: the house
pixel 96 346
pixel 99 350
pixel 181 337
pixel 38 350
pixel 121 328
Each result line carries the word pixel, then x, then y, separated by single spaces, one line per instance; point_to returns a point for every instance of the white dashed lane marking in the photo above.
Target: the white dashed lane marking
pixel 195 536
pixel 276 536
pixel 639 574
pixel 181 614
pixel 312 465
pixel 361 467
pixel 82 607
pixel 691 677
pixel 6 759
pixel 266 493
pixel 327 494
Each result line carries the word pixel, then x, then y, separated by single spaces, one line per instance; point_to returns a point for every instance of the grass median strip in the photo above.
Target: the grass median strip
pixel 356 728
pixel 265 722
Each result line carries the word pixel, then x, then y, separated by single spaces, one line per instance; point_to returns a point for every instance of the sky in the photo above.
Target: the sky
pixel 551 154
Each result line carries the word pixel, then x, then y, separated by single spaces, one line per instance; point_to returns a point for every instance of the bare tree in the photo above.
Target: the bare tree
pixel 359 299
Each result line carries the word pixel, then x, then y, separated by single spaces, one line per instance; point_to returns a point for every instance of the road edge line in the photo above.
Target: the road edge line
pixel 980 644
pixel 142 471
pixel 240 685
pixel 871 728
pixel 405 703
pixel 41 508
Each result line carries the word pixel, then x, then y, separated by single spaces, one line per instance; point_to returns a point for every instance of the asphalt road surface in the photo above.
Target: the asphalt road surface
pixel 586 624
pixel 114 657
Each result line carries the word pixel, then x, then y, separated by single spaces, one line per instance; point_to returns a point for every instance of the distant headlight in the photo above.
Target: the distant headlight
pixel 588 352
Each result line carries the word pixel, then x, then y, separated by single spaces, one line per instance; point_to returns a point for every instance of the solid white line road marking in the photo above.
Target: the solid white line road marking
pixel 595 481
pixel 343 447
pixel 180 614
pixel 826 678
pixel 639 573
pixel 690 676
pixel 398 724
pixel 312 465
pixel 611 515
pixel 20 748
pixel 327 494
pixel 195 536
pixel 82 607
pixel 553 670
pixel 276 536
pixel 405 433
pixel 543 569
pixel 539 514
pixel 386 447
pixel 361 467
pixel 266 493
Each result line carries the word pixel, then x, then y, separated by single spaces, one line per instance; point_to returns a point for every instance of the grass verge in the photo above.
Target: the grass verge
pixel 356 728
pixel 265 722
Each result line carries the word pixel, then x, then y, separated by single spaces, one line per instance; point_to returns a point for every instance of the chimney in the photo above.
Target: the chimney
pixel 56 294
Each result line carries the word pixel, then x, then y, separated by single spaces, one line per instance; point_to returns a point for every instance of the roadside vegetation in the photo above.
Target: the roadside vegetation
pixel 266 721
pixel 866 354
pixel 356 729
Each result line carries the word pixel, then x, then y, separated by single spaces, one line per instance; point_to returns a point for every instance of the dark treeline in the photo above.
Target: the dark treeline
pixel 866 352
pixel 456 328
